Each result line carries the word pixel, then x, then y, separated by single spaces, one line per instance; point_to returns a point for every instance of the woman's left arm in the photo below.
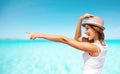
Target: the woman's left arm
pixel 48 37
pixel 84 46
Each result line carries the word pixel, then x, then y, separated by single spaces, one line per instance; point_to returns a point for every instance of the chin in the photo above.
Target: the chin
pixel 90 38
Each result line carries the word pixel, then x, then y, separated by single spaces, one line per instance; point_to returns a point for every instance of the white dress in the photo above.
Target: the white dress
pixel 94 65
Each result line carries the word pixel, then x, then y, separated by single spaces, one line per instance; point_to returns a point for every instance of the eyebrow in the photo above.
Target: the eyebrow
pixel 87 27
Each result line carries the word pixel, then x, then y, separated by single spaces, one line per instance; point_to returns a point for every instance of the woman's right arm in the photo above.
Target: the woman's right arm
pixel 78 33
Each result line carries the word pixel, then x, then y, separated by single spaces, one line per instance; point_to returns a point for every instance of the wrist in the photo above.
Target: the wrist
pixel 81 18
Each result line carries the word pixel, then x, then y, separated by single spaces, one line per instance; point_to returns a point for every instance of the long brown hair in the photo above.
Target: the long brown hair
pixel 99 31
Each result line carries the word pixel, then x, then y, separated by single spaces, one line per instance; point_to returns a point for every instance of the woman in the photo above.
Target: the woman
pixel 94 46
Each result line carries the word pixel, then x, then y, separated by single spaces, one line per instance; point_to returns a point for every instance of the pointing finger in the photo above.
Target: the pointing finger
pixel 29 32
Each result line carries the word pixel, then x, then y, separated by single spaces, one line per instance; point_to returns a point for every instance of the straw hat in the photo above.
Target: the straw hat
pixel 96 21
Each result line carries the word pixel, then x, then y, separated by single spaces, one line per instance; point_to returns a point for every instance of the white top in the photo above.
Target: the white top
pixel 93 65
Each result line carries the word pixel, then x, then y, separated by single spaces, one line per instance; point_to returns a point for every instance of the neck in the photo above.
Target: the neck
pixel 96 39
pixel 99 42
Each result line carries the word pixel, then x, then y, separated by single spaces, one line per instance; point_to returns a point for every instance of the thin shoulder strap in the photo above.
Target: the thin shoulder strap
pixel 99 45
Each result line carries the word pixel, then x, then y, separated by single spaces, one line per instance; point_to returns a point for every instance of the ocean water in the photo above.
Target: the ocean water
pixel 46 57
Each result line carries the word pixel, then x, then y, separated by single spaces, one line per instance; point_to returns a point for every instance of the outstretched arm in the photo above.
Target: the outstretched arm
pixel 84 46
pixel 48 37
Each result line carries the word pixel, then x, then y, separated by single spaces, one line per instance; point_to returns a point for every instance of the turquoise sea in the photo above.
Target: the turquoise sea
pixel 46 57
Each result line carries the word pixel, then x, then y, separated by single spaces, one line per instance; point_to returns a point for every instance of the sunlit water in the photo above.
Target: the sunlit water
pixel 46 57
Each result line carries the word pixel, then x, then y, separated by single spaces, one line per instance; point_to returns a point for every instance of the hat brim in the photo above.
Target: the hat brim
pixel 103 28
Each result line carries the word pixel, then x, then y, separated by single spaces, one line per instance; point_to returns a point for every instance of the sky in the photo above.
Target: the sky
pixel 57 17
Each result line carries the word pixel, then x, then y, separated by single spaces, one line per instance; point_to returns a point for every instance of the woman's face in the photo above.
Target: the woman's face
pixel 90 32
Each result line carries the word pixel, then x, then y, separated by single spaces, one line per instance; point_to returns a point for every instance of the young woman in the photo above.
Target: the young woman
pixel 94 46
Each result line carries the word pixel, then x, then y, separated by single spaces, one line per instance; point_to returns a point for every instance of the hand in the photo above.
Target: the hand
pixel 33 35
pixel 86 16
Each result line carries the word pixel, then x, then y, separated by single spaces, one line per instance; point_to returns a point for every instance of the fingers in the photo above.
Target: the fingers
pixel 29 32
pixel 88 15
pixel 32 37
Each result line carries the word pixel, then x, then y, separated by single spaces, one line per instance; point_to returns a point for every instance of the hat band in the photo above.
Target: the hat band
pixel 95 23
